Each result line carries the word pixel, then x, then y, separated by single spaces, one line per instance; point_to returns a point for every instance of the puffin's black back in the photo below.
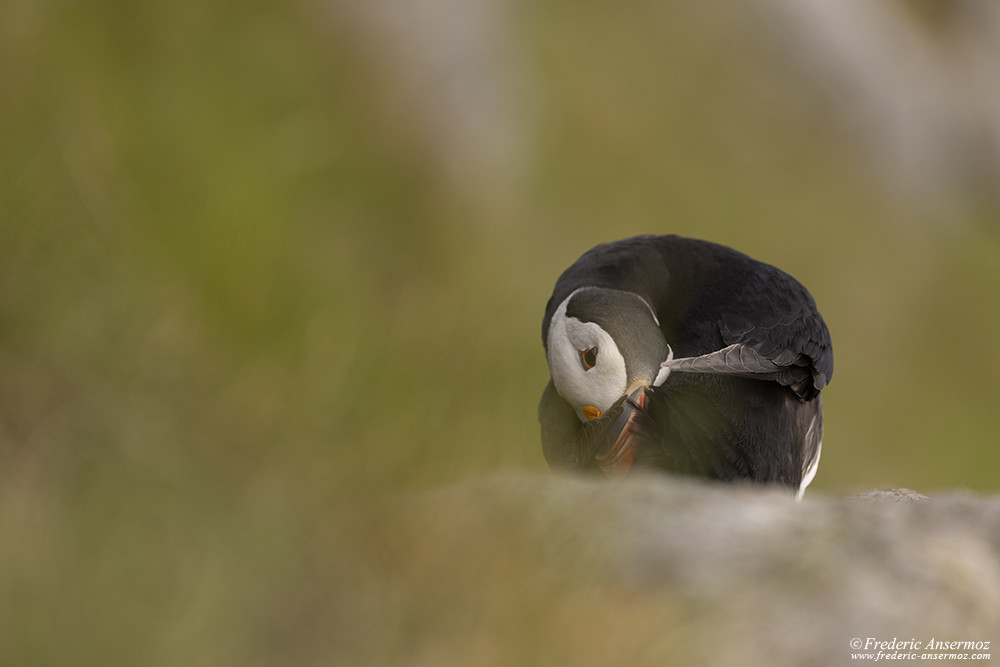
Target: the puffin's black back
pixel 706 297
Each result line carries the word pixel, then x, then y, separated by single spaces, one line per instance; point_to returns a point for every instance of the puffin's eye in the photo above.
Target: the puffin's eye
pixel 589 358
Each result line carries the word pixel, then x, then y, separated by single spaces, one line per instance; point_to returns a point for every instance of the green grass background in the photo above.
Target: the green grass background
pixel 240 306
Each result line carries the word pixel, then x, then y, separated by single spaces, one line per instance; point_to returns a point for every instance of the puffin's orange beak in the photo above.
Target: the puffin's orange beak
pixel 618 459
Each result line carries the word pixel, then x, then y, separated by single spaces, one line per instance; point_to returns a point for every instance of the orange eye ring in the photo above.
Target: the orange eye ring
pixel 588 358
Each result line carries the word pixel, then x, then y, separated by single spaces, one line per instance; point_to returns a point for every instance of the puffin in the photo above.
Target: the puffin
pixel 676 354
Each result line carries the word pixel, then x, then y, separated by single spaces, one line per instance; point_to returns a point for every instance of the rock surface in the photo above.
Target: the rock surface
pixel 660 570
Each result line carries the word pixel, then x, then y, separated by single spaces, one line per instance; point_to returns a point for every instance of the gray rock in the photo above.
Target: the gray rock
pixel 721 574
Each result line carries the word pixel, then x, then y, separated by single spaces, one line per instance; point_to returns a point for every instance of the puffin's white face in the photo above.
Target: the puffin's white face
pixel 587 368
pixel 590 367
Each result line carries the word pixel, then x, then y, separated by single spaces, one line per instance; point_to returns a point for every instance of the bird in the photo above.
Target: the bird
pixel 684 355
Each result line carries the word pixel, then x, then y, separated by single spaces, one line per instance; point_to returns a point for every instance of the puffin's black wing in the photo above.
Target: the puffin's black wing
pixel 770 329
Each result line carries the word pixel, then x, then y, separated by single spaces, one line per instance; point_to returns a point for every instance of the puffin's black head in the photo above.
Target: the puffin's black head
pixel 602 345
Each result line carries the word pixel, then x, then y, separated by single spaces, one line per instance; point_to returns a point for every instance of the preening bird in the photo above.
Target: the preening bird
pixel 673 353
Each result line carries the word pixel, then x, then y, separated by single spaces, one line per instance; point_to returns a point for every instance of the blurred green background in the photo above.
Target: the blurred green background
pixel 262 265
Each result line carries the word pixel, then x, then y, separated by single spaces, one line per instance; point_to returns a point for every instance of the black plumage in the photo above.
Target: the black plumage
pixel 751 412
